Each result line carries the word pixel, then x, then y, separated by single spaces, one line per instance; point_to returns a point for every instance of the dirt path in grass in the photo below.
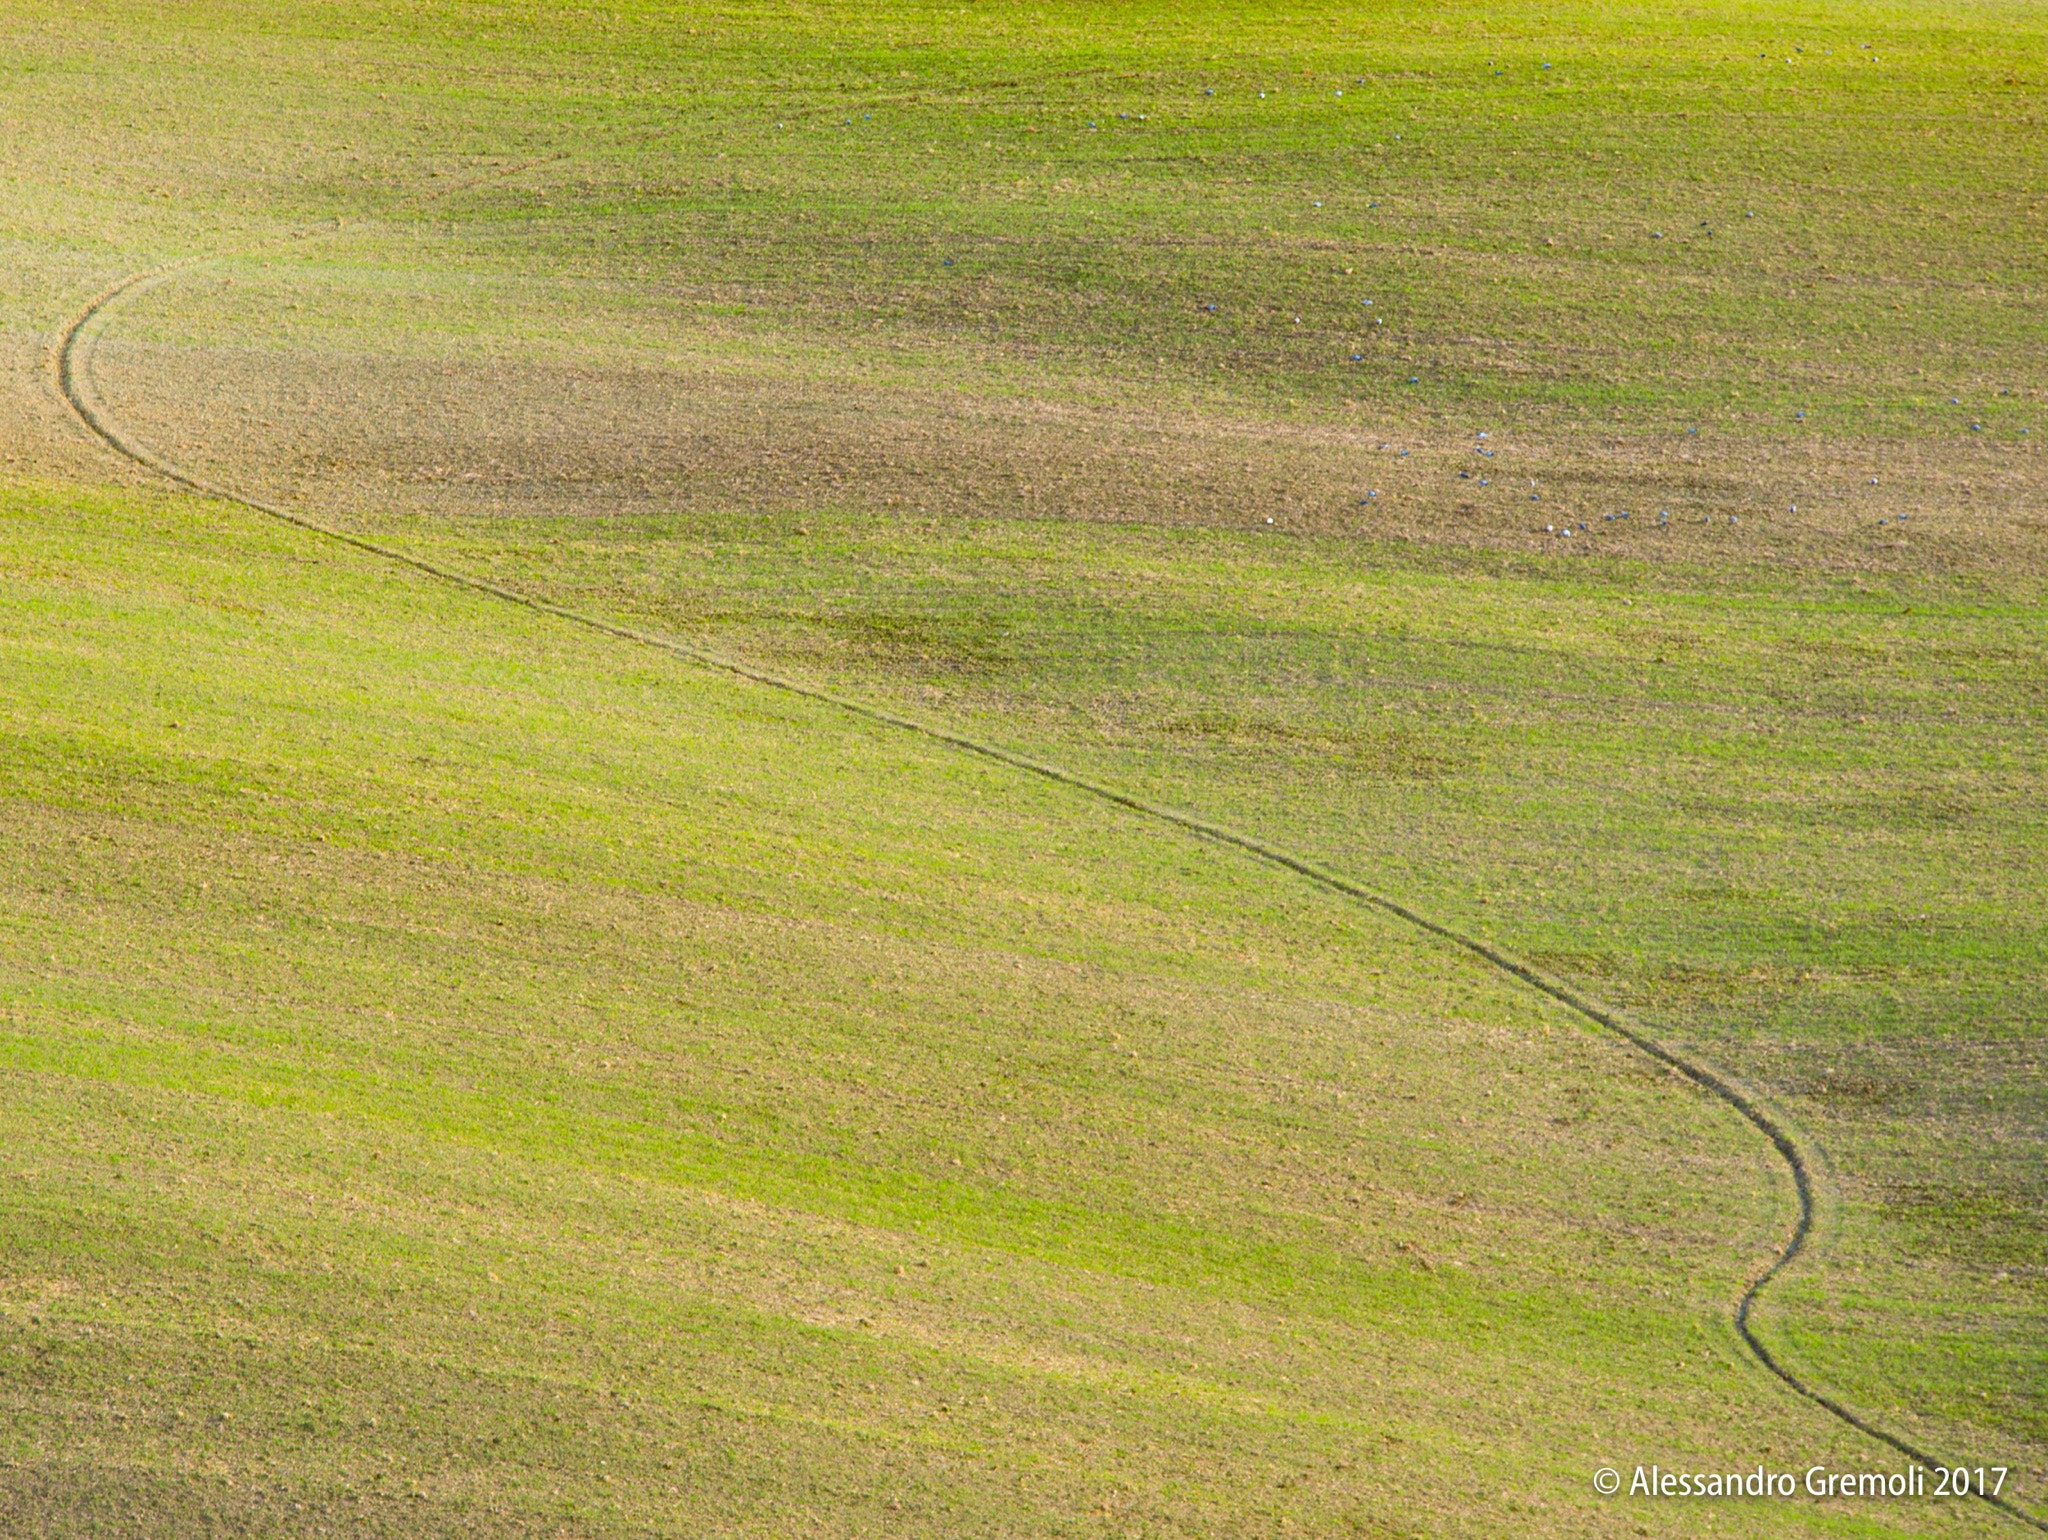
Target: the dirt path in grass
pixel 71 370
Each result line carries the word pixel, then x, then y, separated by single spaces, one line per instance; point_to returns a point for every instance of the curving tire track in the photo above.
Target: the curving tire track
pixel 72 376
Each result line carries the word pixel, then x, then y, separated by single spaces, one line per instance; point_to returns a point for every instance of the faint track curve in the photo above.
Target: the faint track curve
pixel 72 362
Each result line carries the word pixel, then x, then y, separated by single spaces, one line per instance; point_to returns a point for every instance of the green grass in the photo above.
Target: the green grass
pixel 1795 824
pixel 553 1053
pixel 771 1107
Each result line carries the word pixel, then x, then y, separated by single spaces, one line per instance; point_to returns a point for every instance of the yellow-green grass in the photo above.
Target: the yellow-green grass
pixel 1797 823
pixel 636 319
pixel 1562 212
pixel 451 1054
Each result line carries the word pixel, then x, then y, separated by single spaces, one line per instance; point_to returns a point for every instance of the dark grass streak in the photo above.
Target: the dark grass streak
pixel 71 365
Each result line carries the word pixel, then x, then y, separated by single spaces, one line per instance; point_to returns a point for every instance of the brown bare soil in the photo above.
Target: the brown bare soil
pixel 461 438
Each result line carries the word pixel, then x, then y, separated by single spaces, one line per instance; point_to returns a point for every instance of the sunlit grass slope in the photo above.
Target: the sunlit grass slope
pixel 1795 822
pixel 1772 779
pixel 1564 208
pixel 462 1072
pixel 838 337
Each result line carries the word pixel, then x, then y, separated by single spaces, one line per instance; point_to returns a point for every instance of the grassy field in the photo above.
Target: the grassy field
pixel 465 1073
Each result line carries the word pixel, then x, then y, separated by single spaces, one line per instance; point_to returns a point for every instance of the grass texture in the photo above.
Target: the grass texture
pixel 463 1074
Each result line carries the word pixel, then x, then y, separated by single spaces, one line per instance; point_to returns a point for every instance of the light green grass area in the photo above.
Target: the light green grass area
pixel 467 1073
pixel 451 1054
pixel 1797 825
pixel 1574 211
